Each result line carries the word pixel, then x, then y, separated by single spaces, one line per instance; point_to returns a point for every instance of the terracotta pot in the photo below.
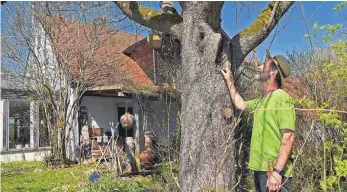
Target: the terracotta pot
pixel 127 121
pixel 94 132
pixel 147 156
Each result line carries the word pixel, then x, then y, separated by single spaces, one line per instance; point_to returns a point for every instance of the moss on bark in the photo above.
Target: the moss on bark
pixel 262 21
pixel 150 14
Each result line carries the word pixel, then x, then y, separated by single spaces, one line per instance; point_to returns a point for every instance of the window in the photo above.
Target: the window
pixel 23 125
pixel 19 124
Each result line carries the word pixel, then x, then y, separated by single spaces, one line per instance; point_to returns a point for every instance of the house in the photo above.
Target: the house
pixel 116 82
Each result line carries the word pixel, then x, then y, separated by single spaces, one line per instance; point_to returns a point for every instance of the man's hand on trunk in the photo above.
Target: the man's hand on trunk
pixel 227 75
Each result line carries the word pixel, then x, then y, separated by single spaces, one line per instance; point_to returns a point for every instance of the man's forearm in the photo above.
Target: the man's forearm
pixel 285 150
pixel 235 96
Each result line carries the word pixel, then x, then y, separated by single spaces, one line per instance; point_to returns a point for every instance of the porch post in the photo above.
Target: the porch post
pixel 136 110
pixel 143 127
pixel 34 124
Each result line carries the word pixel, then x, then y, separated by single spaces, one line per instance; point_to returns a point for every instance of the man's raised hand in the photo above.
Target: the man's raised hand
pixel 227 74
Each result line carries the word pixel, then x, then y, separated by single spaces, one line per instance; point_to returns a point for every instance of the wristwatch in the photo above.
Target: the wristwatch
pixel 280 172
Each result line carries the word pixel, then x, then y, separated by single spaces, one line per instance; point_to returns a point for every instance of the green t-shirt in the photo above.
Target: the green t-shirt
pixel 270 116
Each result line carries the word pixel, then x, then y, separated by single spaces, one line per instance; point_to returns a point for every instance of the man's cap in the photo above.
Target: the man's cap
pixel 282 64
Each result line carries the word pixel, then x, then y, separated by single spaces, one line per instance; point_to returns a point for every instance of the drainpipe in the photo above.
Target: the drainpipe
pixel 154 65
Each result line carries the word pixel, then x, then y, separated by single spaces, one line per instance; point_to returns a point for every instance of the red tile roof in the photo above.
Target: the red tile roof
pixel 142 53
pixel 98 52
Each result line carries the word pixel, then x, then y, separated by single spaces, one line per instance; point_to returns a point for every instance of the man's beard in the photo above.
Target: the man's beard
pixel 262 76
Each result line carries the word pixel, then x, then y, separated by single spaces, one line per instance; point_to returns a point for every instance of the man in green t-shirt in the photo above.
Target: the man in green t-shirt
pixel 273 125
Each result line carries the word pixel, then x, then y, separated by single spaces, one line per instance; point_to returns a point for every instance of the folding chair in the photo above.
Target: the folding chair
pixel 107 146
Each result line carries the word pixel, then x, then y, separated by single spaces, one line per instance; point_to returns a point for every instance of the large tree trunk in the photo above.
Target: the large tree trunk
pixel 207 153
pixel 206 160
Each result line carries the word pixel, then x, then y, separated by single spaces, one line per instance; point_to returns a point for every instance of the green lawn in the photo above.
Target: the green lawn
pixel 32 176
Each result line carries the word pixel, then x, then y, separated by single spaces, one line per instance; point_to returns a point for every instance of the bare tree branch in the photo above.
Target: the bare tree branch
pixel 164 22
pixel 248 39
pixel 274 12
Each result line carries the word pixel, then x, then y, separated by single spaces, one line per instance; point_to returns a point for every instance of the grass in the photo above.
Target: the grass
pixel 33 176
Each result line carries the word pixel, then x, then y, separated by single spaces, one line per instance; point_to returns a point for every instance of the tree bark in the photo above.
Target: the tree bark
pixel 206 158
pixel 168 23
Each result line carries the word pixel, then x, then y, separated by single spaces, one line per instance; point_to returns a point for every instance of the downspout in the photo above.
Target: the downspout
pixel 154 64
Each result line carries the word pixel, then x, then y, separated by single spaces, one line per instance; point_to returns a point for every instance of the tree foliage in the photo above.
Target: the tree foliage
pixel 321 145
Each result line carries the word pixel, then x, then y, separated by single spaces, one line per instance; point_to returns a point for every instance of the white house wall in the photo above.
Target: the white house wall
pixel 31 155
pixel 103 111
pixel 43 65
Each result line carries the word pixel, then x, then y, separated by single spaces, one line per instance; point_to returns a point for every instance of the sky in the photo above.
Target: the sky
pixel 235 19
pixel 293 33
